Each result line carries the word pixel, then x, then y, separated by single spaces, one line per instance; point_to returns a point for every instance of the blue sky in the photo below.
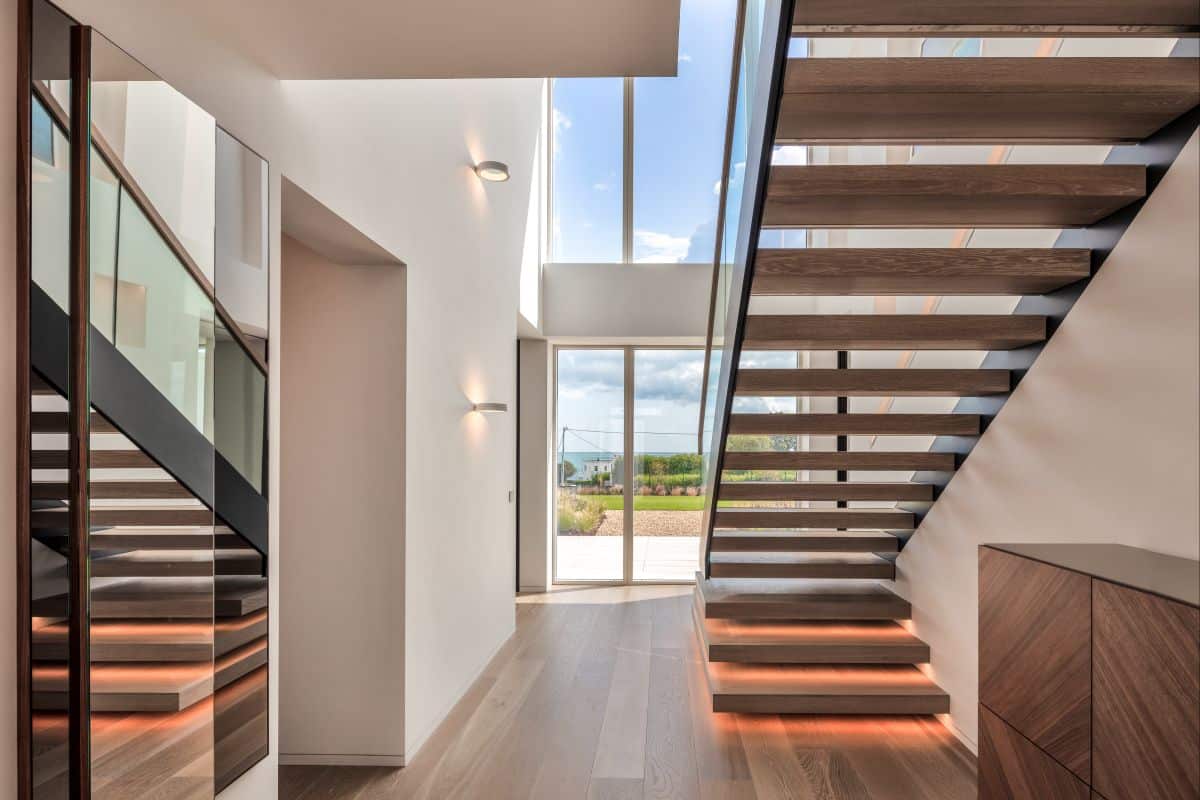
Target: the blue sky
pixel 679 130
pixel 666 400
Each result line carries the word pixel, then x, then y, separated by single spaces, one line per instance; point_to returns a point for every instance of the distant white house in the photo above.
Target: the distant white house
pixel 595 466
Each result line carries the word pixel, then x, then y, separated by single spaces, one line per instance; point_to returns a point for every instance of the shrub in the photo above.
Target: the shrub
pixel 644 490
pixel 579 515
pixel 692 491
pixel 661 491
pixel 677 491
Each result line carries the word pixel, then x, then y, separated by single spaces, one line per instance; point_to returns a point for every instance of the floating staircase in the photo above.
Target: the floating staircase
pixel 794 611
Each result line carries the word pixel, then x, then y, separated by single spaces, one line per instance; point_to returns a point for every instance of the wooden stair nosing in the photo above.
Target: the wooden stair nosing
pixel 852 460
pixel 893 331
pixel 799 600
pixel 859 566
pixel 128 517
pixel 917 270
pixel 861 424
pixel 773 518
pixel 126 640
pixel 904 382
pixel 239 662
pixel 169 564
pixel 127 688
pixel 949 195
pixel 823 490
pixel 983 100
pixel 850 541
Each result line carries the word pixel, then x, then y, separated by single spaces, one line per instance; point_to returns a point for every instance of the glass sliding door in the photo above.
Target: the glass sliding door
pixel 618 406
pixel 667 505
pixel 590 463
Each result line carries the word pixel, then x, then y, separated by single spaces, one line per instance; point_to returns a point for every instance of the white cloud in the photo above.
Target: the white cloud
pixel 660 248
pixel 559 122
pixel 685 57
pixel 600 187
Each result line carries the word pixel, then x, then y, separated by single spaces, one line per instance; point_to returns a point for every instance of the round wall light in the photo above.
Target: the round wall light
pixel 496 171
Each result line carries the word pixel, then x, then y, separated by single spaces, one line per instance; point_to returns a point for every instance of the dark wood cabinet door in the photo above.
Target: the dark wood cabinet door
pixel 1035 653
pixel 1013 768
pixel 1146 696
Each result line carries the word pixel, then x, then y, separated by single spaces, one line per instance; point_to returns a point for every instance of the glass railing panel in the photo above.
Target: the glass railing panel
pixel 164 320
pixel 240 400
pixel 166 142
pixel 104 199
pixel 50 205
pixel 758 48
pixel 242 252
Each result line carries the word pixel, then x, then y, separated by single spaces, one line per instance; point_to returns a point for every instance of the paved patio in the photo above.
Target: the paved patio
pixel 672 558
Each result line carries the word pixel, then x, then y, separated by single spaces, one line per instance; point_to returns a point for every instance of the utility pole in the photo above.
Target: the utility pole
pixel 562 458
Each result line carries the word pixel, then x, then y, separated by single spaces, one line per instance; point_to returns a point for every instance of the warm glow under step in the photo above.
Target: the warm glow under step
pixel 779 689
pixel 864 642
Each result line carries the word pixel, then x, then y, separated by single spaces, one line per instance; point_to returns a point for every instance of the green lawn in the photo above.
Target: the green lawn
pixel 615 502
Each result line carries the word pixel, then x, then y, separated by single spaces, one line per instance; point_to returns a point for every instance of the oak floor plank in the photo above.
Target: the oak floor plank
pixel 552 685
pixel 566 769
pixel 621 752
pixel 670 753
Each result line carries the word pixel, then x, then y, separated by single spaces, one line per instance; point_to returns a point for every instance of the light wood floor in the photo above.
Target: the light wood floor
pixel 601 694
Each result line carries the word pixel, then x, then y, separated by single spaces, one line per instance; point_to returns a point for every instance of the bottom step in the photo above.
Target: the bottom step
pixel 778 689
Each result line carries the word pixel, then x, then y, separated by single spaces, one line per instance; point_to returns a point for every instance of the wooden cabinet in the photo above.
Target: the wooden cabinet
pixel 1089 673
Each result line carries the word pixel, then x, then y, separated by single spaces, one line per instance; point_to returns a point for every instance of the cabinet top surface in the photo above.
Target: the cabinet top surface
pixel 1169 576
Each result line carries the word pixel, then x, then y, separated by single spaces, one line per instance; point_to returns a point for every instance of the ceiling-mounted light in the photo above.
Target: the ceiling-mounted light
pixel 496 171
pixel 490 408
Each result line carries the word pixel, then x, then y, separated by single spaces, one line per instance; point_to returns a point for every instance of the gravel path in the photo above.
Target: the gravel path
pixel 653 523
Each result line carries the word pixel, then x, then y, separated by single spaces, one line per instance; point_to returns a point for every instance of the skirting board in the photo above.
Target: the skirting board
pixel 336 760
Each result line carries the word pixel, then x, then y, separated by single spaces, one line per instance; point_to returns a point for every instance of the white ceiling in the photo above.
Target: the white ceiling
pixel 318 39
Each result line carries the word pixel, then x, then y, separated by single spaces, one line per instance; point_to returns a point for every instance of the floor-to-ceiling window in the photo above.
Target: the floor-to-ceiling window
pixel 619 406
pixel 634 161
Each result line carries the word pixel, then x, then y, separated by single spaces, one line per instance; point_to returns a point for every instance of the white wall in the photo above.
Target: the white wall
pixel 1099 443
pixel 536 456
pixel 341 646
pixel 8 409
pixel 621 302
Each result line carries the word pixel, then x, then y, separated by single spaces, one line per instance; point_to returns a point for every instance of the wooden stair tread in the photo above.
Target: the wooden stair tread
pixel 817 642
pixel 100 459
pixel 733 541
pixel 983 100
pixel 130 640
pixel 146 687
pixel 852 460
pixel 160 598
pixel 955 195
pixel 825 689
pixel 905 382
pixel 890 424
pixel 129 517
pixel 917 270
pixel 823 490
pixel 798 600
pixel 239 662
pixel 117 490
pixel 775 518
pixel 997 18
pixel 154 564
pixel 234 632
pixel 57 421
pixel 866 566
pixel 893 331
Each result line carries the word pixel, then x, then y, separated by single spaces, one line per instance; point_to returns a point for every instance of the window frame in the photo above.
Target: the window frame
pixel 629 454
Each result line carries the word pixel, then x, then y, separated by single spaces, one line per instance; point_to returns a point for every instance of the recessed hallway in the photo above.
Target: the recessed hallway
pixel 601 694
